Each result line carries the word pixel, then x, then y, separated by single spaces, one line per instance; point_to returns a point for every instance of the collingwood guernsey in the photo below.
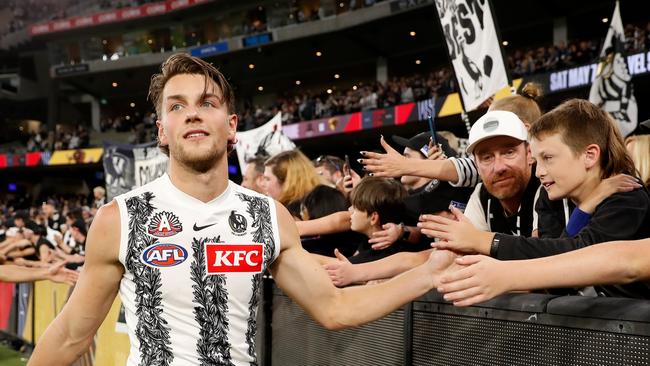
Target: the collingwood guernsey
pixel 193 273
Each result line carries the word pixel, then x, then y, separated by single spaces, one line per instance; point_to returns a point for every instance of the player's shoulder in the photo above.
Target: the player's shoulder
pixel 240 191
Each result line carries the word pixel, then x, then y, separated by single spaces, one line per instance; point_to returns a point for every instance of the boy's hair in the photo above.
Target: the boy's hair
pixel 324 200
pixel 581 123
pixel 385 196
pixel 182 63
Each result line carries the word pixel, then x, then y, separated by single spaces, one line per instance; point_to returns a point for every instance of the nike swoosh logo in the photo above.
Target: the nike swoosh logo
pixel 199 228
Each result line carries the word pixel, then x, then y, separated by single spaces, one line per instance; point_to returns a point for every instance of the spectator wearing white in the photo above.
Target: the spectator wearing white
pixel 100 196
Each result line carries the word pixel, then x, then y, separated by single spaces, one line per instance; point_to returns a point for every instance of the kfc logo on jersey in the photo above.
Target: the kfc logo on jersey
pixel 164 224
pixel 229 258
pixel 163 255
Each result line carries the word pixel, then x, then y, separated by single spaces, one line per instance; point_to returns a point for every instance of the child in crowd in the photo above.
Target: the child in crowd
pixel 320 202
pixel 375 202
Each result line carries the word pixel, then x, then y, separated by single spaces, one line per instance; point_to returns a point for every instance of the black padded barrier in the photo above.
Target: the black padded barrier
pixel 513 329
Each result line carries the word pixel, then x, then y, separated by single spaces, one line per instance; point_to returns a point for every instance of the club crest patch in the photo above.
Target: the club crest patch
pixel 237 223
pixel 163 255
pixel 164 224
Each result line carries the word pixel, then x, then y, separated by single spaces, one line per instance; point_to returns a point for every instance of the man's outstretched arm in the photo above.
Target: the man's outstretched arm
pixel 55 272
pixel 482 278
pixel 303 279
pixel 343 273
pixel 69 336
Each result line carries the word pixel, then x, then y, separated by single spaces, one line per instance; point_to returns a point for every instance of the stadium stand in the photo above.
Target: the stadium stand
pixel 74 79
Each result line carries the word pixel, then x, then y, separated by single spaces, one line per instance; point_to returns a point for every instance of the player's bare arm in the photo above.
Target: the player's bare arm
pixel 303 279
pixel 73 329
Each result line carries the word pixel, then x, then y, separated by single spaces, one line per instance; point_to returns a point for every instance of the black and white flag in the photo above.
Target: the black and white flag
pixel 130 166
pixel 612 88
pixel 474 50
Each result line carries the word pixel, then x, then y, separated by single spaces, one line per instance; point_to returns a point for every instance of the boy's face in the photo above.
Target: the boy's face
pixel 560 171
pixel 360 221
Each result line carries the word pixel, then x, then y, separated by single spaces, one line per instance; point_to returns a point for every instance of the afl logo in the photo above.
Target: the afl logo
pixel 163 255
pixel 237 222
pixel 164 224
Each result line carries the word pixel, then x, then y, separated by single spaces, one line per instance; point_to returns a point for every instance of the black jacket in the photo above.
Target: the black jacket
pixel 622 216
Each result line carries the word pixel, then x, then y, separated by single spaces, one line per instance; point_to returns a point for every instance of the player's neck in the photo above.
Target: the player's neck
pixel 202 186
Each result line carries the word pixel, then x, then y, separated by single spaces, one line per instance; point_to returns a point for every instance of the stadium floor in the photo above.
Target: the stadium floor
pixel 10 357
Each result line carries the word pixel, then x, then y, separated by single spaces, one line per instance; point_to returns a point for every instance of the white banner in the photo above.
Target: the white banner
pixel 266 140
pixel 474 49
pixel 612 89
pixel 150 163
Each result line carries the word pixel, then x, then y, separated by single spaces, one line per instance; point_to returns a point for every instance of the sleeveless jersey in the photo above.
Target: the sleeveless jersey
pixel 193 273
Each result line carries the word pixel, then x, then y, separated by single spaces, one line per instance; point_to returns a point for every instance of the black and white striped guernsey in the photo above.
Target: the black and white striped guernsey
pixel 193 273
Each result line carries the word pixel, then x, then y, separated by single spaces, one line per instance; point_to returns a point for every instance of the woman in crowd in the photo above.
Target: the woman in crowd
pixel 288 177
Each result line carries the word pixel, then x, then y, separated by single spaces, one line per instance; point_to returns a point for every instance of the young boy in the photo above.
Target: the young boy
pixel 375 202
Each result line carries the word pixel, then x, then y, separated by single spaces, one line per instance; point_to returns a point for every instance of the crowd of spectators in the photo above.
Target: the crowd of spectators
pixel 541 59
pixel 399 223
pixel 63 138
pixel 141 128
pixel 27 12
pixel 297 106
pixel 48 235
pixel 302 105
pixel 107 4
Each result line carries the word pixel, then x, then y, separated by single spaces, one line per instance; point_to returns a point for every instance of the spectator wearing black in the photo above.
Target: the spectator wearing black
pixel 54 218
pixel 320 202
pixel 79 231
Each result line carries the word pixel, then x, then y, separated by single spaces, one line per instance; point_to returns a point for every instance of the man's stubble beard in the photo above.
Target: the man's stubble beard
pixel 516 189
pixel 199 163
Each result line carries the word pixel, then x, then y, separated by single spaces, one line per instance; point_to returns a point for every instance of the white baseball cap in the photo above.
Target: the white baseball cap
pixel 496 123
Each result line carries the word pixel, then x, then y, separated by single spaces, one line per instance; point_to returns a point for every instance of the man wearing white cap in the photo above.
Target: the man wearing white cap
pixel 504 202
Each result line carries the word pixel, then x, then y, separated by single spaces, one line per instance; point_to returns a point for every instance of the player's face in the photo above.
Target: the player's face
pixel 194 123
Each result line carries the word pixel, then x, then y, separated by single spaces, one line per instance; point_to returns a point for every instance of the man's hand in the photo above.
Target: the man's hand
pixel 458 235
pixel 435 152
pixel 439 263
pixel 58 273
pixel 342 273
pixel 386 237
pixel 479 279
pixel 607 187
pixel 390 164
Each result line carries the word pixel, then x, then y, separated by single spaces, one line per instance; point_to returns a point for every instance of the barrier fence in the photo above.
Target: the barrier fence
pixel 514 329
